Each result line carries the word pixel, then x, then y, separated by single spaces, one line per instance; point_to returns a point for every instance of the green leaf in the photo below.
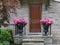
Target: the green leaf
pixel 5 43
pixel 6 35
pixel 1 44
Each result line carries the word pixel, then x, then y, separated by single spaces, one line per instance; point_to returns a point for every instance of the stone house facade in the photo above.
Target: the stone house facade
pixel 53 13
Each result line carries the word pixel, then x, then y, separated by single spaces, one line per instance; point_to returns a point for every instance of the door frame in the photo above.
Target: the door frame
pixel 34 33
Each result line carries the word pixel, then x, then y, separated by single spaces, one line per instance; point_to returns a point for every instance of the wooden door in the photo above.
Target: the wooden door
pixel 35 16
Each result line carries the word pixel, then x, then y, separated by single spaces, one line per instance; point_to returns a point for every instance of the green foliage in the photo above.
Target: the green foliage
pixel 6 35
pixel 20 26
pixel 1 44
pixel 5 43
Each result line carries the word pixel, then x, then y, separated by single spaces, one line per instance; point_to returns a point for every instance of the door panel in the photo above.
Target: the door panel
pixel 35 16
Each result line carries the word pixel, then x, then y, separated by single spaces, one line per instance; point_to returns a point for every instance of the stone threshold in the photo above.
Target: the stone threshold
pixel 33 35
pixel 33 40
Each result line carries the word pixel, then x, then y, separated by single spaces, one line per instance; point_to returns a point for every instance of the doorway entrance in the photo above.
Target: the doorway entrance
pixel 35 16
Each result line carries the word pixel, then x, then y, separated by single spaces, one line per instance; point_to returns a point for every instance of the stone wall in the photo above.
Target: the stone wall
pixel 22 12
pixel 54 13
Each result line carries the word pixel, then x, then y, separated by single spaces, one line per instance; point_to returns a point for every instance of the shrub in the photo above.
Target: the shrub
pixel 6 35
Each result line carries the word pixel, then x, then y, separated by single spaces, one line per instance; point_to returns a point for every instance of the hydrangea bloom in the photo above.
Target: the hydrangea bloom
pixel 20 23
pixel 46 21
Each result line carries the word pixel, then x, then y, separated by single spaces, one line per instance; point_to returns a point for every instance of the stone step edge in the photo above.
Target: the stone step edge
pixel 33 40
pixel 40 36
pixel 32 43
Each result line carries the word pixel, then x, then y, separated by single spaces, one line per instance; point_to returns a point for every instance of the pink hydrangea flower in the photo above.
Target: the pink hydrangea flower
pixel 15 21
pixel 42 21
pixel 21 20
pixel 46 21
pixel 25 22
pixel 50 22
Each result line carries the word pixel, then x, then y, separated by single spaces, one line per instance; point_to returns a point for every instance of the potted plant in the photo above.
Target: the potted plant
pixel 46 23
pixel 20 23
pixel 5 37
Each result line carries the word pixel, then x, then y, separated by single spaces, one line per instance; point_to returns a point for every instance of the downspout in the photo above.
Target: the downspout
pixel 47 4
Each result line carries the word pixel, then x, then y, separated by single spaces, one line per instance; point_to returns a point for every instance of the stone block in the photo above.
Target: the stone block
pixel 33 44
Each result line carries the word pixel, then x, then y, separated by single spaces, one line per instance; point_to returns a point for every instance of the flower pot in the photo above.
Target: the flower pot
pixel 20 31
pixel 45 29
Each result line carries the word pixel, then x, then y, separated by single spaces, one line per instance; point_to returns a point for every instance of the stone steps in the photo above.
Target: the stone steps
pixel 33 44
pixel 33 41
pixel 42 40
